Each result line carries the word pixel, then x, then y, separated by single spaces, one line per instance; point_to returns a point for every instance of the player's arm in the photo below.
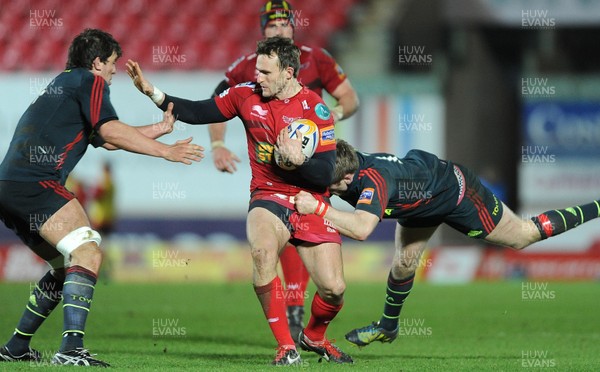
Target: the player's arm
pixel 223 158
pixel 357 225
pixel 156 130
pixel 347 101
pixel 152 131
pixel 194 112
pixel 337 84
pixel 123 136
pixel 191 112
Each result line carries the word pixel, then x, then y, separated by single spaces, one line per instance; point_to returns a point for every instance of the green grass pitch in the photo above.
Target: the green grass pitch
pixel 503 326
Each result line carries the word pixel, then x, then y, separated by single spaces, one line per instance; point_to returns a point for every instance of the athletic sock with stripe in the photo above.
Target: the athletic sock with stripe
pixel 45 295
pixel 558 221
pixel 78 291
pixel 396 293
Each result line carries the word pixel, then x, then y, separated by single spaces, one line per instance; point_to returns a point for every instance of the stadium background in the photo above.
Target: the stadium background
pixel 508 88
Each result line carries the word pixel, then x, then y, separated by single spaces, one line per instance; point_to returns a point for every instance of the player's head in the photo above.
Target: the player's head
pixel 277 64
pixel 346 164
pixel 277 19
pixel 95 50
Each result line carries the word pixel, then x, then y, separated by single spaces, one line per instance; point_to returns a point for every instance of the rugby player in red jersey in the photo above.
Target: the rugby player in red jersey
pixel 266 107
pixel 318 72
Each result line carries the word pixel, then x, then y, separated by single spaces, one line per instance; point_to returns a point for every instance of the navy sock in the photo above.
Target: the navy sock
pixel 77 299
pixel 396 293
pixel 558 221
pixel 44 297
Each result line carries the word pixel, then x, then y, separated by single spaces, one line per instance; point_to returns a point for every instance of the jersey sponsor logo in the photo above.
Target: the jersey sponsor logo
pixel 388 211
pixel 259 112
pixel 461 184
pixel 289 120
pixel 497 207
pixel 305 105
pixel 327 136
pixel 391 158
pixel 264 152
pixel 366 196
pixel 322 111
pixel 224 93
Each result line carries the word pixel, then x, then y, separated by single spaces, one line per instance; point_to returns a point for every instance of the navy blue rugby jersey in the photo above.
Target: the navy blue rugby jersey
pixel 55 130
pixel 418 185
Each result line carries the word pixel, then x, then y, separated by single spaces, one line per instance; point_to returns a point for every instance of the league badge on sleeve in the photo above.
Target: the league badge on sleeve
pixel 366 196
pixel 322 111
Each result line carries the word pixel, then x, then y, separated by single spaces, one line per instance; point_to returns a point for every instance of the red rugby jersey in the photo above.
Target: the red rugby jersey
pixel 263 120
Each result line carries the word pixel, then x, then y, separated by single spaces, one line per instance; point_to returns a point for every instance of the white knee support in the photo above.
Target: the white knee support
pixel 76 238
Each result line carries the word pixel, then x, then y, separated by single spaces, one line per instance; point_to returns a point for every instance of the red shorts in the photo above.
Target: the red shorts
pixel 302 227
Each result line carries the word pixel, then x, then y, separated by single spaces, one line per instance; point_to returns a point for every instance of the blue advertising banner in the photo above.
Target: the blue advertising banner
pixel 561 130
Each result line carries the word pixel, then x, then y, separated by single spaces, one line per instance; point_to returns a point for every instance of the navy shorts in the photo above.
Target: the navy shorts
pixel 25 206
pixel 476 213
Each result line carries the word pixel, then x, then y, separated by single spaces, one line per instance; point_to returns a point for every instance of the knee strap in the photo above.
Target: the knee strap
pixel 76 238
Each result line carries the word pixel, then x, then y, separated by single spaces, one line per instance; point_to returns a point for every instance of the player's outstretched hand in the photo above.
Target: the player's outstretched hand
pixel 135 73
pixel 224 159
pixel 169 120
pixel 305 203
pixel 290 149
pixel 184 151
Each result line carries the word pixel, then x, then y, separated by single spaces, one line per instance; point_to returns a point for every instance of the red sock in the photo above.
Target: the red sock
pixel 321 315
pixel 295 275
pixel 271 300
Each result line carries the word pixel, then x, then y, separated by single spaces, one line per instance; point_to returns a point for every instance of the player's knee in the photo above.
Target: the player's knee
pixel 88 255
pixel 333 293
pixel 518 245
pixel 82 247
pixel 263 256
pixel 523 236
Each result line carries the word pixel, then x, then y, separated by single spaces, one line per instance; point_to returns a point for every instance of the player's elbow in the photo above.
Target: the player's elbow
pixel 363 225
pixel 111 133
pixel 110 147
pixel 361 232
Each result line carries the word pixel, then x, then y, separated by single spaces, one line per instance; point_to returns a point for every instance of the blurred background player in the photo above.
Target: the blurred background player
pixel 318 72
pixel 101 208
pixel 442 192
pixel 51 137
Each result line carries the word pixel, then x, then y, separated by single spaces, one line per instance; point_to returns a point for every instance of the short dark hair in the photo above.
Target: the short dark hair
pixel 88 45
pixel 284 48
pixel 346 161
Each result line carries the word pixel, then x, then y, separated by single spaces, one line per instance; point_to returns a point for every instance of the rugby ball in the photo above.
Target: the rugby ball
pixel 310 140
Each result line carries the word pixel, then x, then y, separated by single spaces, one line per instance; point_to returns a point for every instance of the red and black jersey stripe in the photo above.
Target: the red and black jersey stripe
pixel 68 147
pixel 484 214
pixel 96 99
pixel 58 189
